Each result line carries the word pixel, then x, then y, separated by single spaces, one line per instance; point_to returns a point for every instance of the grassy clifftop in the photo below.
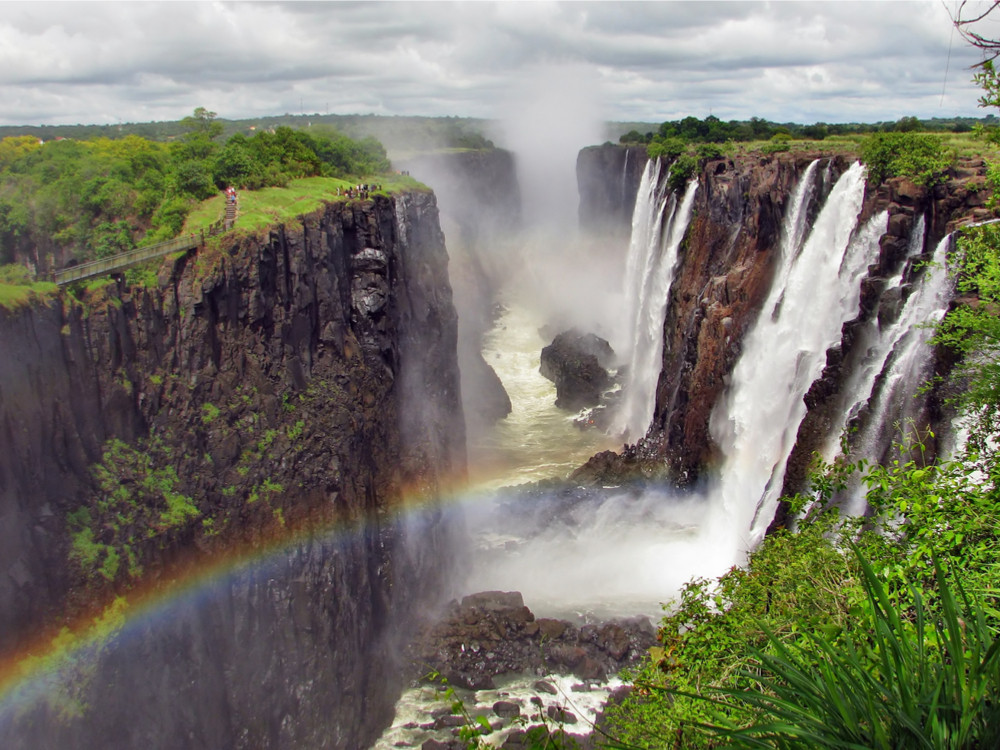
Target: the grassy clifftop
pixel 262 208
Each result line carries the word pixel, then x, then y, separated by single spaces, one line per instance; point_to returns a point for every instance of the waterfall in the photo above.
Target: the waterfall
pixel 877 338
pixel 906 363
pixel 658 226
pixel 816 290
pixel 624 192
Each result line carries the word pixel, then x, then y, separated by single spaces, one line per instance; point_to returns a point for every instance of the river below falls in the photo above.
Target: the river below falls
pixel 579 555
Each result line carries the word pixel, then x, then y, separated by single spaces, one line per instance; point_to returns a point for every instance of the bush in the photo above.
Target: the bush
pixel 667 148
pixel 681 171
pixel 709 151
pixel 924 679
pixel 919 156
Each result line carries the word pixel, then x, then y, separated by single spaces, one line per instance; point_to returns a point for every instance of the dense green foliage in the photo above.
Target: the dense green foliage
pixel 803 619
pixel 713 130
pixel 101 196
pixel 919 156
pixel 924 679
pixel 138 500
pixel 973 328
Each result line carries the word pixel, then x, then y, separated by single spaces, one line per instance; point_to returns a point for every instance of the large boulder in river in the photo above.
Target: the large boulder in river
pixel 492 633
pixel 577 363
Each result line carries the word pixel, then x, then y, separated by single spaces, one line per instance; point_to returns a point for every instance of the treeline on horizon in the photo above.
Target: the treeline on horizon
pixel 94 197
pixel 713 130
pixel 401 132
pixel 420 133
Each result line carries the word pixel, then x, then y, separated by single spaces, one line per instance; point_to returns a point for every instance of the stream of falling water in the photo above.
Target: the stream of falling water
pixel 757 420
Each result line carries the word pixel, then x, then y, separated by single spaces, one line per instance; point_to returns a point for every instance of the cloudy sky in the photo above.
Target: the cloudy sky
pixel 648 61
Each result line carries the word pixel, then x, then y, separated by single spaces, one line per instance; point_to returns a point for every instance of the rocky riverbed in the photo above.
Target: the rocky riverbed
pixel 488 662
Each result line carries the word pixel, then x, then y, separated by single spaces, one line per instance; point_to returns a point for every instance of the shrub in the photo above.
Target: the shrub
pixel 667 148
pixel 919 156
pixel 925 679
pixel 709 151
pixel 681 171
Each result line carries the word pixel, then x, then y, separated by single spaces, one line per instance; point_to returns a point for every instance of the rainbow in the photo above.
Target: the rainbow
pixel 43 669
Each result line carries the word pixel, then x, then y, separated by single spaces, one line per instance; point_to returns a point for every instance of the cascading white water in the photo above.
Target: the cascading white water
pixel 658 227
pixel 757 420
pixel 878 338
pixel 625 177
pixel 907 359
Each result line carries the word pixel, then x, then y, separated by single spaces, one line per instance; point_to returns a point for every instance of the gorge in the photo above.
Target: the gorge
pixel 304 386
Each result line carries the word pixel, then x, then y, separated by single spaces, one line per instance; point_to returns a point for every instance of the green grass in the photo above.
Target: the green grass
pixel 969 146
pixel 259 209
pixel 14 296
pixel 19 289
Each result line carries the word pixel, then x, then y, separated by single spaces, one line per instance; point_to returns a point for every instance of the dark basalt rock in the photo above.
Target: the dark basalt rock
pixel 486 400
pixel 722 278
pixel 493 633
pixel 577 363
pixel 306 339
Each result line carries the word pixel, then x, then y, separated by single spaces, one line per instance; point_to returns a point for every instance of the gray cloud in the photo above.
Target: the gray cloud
pixel 823 61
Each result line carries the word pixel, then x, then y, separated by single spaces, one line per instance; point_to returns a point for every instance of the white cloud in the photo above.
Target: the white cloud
pixel 829 61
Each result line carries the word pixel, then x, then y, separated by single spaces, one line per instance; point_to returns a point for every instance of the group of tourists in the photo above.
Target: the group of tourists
pixel 230 194
pixel 359 191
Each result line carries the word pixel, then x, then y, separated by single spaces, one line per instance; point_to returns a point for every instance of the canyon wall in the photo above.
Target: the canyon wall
pixel 480 202
pixel 299 384
pixel 723 274
pixel 608 179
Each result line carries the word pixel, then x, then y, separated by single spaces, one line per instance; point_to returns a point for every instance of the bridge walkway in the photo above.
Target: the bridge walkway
pixel 115 263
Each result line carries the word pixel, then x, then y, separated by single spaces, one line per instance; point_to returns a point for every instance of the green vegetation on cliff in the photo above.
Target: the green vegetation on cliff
pixel 83 199
pixel 877 632
pixel 18 289
pixel 755 658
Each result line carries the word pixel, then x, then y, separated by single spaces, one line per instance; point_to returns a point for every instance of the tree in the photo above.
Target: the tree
pixel 965 20
pixel 203 123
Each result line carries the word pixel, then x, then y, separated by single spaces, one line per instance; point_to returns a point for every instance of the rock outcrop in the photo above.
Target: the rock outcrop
pixel 959 199
pixel 578 365
pixel 492 633
pixel 480 204
pixel 304 379
pixel 608 179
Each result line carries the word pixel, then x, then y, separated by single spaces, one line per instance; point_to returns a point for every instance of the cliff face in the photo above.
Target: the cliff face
pixel 305 379
pixel 480 202
pixel 608 179
pixel 724 273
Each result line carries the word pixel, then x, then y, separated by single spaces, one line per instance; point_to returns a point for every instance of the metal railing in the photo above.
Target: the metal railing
pixel 125 260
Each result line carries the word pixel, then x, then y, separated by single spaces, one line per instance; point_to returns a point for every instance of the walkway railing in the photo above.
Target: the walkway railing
pixel 120 262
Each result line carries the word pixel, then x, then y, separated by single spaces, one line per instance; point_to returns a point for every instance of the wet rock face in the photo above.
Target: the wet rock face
pixel 959 199
pixel 493 633
pixel 319 359
pixel 608 179
pixel 577 363
pixel 723 275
